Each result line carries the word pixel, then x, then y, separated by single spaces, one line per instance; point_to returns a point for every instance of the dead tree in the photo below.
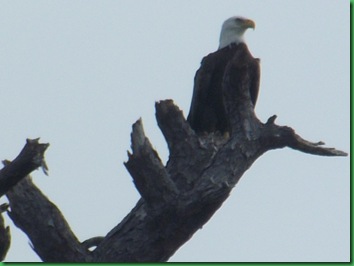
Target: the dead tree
pixel 177 199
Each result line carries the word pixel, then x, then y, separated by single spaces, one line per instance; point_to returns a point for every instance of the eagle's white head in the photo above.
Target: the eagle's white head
pixel 233 29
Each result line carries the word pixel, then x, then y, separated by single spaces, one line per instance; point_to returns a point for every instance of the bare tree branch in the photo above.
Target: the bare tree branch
pixel 42 221
pixel 282 136
pixel 30 158
pixel 5 236
pixel 149 174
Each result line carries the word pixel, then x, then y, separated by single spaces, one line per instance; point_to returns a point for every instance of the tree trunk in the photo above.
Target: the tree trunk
pixel 176 199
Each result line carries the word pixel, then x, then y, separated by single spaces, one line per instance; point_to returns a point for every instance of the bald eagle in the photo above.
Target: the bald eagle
pixel 207 112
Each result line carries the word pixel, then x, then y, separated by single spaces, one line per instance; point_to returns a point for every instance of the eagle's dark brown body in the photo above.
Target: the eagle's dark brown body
pixel 207 112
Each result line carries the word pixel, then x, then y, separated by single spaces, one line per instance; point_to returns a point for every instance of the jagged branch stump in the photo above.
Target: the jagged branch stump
pixel 30 158
pixel 176 199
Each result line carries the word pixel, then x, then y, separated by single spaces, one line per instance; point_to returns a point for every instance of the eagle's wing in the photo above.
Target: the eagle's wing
pixel 255 72
pixel 202 81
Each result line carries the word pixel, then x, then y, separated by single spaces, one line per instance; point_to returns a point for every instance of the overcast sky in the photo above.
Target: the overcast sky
pixel 79 73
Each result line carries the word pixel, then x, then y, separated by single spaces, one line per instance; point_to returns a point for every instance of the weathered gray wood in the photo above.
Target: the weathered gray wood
pixel 5 236
pixel 30 158
pixel 47 229
pixel 178 198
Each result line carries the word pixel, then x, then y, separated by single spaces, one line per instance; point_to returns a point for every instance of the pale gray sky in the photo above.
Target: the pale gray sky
pixel 79 73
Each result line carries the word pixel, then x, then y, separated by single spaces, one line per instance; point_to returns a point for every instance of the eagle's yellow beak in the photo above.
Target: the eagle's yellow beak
pixel 249 24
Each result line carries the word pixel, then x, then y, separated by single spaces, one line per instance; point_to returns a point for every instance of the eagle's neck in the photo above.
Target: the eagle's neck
pixel 228 37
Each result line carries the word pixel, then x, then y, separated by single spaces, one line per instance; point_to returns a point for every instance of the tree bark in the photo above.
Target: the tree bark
pixel 178 198
pixel 50 234
pixel 30 158
pixel 5 236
